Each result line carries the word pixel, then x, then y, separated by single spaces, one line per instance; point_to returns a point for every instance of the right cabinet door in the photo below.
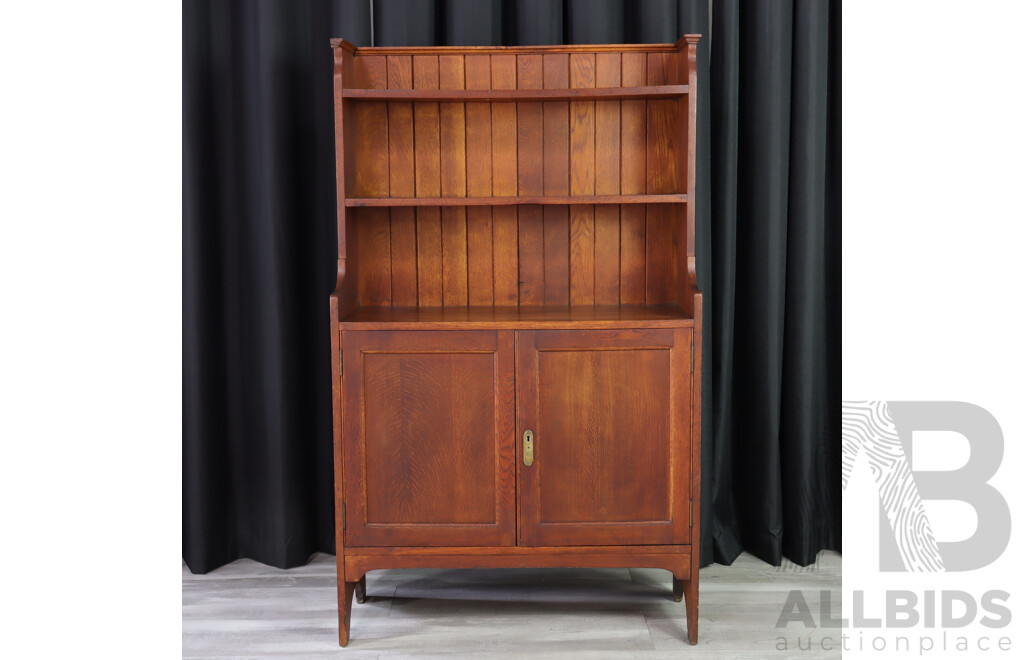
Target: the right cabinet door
pixel 608 413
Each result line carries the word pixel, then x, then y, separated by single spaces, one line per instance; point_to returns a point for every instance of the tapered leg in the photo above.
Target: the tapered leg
pixel 690 591
pixel 345 591
pixel 361 590
pixel 677 589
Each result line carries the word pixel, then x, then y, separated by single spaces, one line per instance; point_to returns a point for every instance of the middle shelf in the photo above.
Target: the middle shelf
pixel 519 95
pixel 516 201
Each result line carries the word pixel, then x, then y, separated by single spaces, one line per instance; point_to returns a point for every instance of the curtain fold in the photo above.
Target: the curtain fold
pixel 472 23
pixel 259 255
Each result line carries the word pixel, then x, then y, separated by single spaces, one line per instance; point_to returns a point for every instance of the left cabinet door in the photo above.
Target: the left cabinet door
pixel 429 438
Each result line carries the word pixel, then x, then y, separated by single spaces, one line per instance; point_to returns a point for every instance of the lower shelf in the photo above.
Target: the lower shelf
pixel 518 318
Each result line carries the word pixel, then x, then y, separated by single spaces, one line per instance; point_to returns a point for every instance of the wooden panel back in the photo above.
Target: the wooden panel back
pixel 479 231
pixel 462 256
pixel 530 147
pixel 578 254
pixel 556 182
pixel 402 181
pixel 505 180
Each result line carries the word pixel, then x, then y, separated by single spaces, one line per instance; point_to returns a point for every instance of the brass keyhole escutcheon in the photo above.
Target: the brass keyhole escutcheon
pixel 528 448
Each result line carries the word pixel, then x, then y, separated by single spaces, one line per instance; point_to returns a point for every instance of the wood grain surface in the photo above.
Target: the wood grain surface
pixel 511 96
pixel 428 419
pixel 610 414
pixel 516 251
pixel 518 318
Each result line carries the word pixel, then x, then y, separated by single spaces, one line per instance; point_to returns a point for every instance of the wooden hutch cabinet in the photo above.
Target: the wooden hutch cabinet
pixel 516 328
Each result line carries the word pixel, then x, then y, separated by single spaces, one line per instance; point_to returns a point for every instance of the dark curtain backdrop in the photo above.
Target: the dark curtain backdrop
pixel 259 256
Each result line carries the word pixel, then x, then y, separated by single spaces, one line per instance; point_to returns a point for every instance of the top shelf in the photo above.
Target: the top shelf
pixel 499 95
pixel 676 47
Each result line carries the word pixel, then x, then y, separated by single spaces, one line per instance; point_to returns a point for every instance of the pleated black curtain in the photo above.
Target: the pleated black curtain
pixel 259 256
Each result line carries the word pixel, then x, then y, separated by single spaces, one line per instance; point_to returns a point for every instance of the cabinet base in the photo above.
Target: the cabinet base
pixel 673 558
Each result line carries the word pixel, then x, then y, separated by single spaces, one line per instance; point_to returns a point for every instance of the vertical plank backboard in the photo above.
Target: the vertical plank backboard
pixel 661 178
pixel 504 159
pixel 372 129
pixel 452 75
pixel 662 130
pixel 373 241
pixel 403 184
pixel 479 233
pixel 373 236
pixel 400 129
pixel 428 183
pixel 582 144
pixel 529 75
pixel 608 168
pixel 453 184
pixel 633 221
pixel 556 182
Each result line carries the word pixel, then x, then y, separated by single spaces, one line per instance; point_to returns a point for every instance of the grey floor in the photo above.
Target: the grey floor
pixel 247 609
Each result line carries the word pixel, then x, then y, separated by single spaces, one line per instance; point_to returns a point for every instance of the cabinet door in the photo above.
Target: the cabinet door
pixel 429 438
pixel 610 416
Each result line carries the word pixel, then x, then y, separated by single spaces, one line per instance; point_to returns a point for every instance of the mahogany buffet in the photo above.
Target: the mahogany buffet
pixel 516 328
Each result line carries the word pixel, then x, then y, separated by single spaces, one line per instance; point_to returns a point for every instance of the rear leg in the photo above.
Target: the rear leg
pixel 361 590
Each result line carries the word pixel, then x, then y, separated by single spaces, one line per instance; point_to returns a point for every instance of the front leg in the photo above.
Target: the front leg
pixel 690 591
pixel 345 591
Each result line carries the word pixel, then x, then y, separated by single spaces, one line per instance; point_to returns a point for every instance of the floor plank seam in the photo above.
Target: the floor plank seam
pixel 647 624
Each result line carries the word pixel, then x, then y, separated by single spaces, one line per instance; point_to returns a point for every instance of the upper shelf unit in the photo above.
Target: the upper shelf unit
pixel 552 179
pixel 514 95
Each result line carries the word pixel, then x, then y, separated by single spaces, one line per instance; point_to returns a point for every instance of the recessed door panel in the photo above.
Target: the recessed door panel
pixel 609 416
pixel 430 445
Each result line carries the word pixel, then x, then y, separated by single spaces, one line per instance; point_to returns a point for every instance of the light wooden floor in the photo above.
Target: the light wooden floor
pixel 247 609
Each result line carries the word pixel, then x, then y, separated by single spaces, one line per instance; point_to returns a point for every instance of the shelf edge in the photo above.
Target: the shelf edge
pixel 668 198
pixel 517 95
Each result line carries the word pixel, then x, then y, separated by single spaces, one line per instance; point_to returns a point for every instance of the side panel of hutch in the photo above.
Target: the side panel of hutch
pixel 516 326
